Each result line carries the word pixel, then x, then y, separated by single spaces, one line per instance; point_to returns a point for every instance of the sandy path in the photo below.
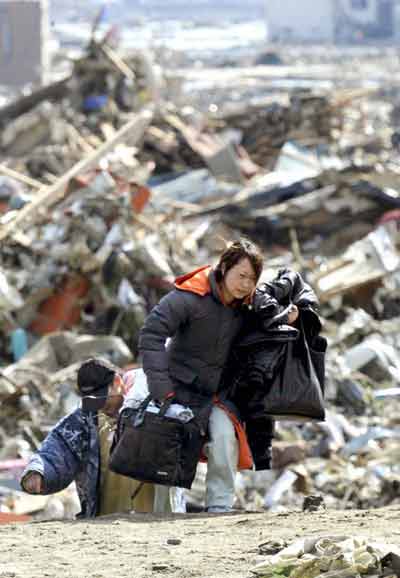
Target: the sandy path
pixel 144 546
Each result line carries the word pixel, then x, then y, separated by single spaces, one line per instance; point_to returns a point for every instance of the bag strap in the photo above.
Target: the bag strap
pixel 143 406
pixel 145 403
pixel 139 417
pixel 165 406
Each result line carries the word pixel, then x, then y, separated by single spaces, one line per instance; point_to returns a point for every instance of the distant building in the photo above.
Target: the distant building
pixel 23 41
pixel 330 20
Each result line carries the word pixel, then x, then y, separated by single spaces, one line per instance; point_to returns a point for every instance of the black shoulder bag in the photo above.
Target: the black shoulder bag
pixel 152 447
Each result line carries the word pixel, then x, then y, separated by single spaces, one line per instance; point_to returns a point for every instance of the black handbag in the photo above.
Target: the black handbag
pixel 152 447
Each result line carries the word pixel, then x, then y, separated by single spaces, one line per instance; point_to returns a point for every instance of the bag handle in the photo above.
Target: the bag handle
pixel 143 406
pixel 166 405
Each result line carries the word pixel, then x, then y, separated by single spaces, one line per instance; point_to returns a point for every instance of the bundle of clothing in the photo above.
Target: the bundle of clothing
pixel 277 370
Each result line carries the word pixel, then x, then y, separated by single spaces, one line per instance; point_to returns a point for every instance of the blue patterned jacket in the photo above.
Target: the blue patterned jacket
pixel 71 452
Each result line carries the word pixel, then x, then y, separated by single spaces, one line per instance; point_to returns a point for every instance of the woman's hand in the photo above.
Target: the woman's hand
pixel 293 314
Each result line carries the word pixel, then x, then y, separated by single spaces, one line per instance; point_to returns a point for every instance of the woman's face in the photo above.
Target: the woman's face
pixel 239 281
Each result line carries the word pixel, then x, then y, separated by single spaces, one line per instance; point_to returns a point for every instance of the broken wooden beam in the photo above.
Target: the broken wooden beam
pixel 20 177
pixel 49 195
pixel 120 64
pixel 55 91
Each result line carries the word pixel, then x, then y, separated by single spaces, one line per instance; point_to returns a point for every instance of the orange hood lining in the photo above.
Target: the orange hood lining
pixel 196 281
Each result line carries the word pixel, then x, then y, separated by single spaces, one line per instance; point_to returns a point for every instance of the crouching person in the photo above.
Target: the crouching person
pixel 77 449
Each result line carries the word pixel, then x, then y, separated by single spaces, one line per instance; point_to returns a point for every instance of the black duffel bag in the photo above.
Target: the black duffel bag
pixel 151 447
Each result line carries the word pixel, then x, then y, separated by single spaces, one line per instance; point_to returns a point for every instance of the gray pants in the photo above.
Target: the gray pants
pixel 222 453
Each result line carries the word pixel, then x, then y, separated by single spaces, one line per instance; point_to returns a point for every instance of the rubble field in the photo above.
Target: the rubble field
pixel 111 185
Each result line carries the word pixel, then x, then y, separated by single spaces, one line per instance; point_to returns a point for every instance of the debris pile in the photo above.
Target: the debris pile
pixel 328 556
pixel 47 132
pixel 308 118
pixel 102 209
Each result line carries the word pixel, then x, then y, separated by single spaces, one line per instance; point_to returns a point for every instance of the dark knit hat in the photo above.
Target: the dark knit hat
pixel 95 375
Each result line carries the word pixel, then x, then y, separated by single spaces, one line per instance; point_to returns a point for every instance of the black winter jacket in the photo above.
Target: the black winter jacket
pixel 201 331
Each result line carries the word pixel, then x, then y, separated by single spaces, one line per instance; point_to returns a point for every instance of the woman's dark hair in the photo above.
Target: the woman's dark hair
pixel 235 252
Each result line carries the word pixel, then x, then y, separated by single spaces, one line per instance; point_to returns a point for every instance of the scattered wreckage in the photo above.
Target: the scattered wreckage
pixel 104 201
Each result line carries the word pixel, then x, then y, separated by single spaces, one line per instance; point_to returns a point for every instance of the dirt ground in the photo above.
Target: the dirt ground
pixel 180 546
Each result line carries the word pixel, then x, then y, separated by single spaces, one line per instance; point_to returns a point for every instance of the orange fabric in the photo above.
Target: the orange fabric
pixel 245 461
pixel 3 207
pixel 10 517
pixel 62 310
pixel 139 198
pixel 196 281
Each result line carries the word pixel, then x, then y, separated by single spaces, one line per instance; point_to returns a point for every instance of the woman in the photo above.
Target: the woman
pixel 202 317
